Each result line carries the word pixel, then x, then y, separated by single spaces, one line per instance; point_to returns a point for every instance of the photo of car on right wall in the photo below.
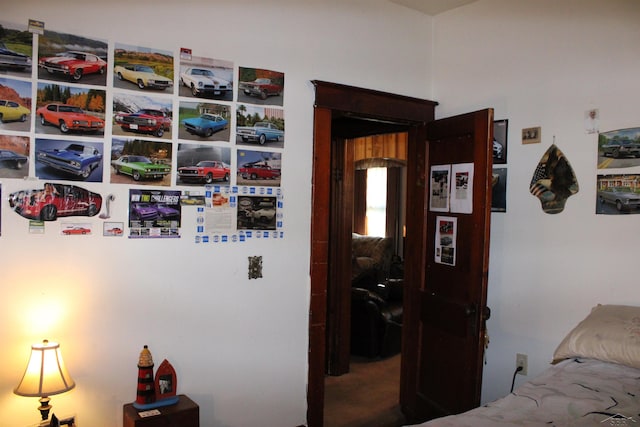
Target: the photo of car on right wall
pixel 618 194
pixel 619 148
pixel 258 86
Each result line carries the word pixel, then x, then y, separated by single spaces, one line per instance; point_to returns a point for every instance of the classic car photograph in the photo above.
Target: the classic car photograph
pixel 167 212
pixel 619 148
pixel 204 82
pixel 142 211
pixel 11 159
pixel 11 111
pixel 72 57
pixel 141 68
pixel 140 167
pixel 146 120
pixel 140 114
pixel 69 118
pixel 256 213
pixel 205 77
pixel 203 120
pixel 205 125
pixel 254 171
pixel 205 171
pixel 15 104
pixel 76 230
pixel 10 59
pixel 142 76
pixel 260 132
pixel 200 164
pixel 260 125
pixel 16 49
pixel 141 161
pixel 110 230
pixel 69 160
pixel 54 201
pixel 500 136
pixel 259 168
pixel 624 199
pixel 158 212
pixel 260 86
pixel 69 109
pixel 14 156
pixel 73 64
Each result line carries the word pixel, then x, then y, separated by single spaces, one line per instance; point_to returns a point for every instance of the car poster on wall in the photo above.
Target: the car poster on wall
pixel 205 77
pixel 461 200
pixel 15 104
pixel 16 50
pixel 200 164
pixel 259 86
pixel 14 156
pixel 141 68
pixel 142 115
pixel 70 110
pixel 141 162
pixel 238 214
pixel 154 213
pixel 259 168
pixel 439 184
pixel 618 194
pixel 446 238
pixel 619 149
pixel 71 57
pixel 259 126
pixel 204 121
pixel 69 160
pixel 65 123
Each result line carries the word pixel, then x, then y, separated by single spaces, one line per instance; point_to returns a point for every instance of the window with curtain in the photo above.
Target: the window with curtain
pixel 376 213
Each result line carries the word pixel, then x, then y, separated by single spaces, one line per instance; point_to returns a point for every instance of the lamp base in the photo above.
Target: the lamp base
pixel 55 422
pixel 44 407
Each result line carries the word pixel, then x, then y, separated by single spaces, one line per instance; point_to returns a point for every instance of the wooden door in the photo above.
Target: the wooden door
pixel 334 101
pixel 445 301
pixel 338 346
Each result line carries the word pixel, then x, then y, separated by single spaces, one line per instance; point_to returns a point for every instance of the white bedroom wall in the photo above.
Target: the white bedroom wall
pixel 545 63
pixel 239 346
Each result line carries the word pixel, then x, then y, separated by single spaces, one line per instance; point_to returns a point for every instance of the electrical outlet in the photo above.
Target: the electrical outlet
pixel 521 360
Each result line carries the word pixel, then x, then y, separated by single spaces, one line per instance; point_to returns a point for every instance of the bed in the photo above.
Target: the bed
pixel 594 380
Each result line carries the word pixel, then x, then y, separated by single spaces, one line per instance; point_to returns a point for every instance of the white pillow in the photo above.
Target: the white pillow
pixel 610 333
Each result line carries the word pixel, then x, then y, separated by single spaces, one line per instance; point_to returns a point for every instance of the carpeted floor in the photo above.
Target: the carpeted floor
pixel 367 396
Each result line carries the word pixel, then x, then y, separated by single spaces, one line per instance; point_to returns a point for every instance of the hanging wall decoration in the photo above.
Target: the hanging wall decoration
pixel 553 181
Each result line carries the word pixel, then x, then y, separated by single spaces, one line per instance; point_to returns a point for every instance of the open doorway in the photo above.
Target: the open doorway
pixel 344 112
pixel 364 298
pixel 372 187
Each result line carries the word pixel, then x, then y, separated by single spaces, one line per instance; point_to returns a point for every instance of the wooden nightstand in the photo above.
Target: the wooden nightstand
pixel 185 413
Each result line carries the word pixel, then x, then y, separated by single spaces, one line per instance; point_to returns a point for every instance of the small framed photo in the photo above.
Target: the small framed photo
pixel 500 141
pixel 531 135
pixel 166 381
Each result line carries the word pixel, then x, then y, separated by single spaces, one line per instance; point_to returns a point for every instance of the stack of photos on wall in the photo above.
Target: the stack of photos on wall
pixel 80 115
pixel 618 183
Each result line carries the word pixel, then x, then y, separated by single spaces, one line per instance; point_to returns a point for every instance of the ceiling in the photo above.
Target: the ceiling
pixel 432 7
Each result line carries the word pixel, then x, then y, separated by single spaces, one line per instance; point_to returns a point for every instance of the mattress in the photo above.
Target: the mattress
pixel 575 392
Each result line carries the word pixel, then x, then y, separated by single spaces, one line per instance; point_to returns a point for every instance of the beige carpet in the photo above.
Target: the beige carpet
pixel 367 396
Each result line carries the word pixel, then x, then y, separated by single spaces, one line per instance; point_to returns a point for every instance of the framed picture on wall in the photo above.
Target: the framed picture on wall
pixel 499 190
pixel 500 141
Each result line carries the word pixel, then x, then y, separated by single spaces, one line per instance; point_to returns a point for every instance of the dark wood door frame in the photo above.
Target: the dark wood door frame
pixel 377 107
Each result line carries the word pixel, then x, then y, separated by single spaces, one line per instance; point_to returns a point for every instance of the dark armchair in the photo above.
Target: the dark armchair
pixel 376 300
pixel 376 320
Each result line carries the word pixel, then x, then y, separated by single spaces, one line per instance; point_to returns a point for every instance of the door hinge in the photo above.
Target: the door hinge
pixel 337 175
